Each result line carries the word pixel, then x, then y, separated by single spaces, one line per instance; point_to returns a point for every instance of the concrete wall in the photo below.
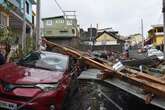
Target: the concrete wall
pixel 1 1
pixel 19 4
pixel 4 12
pixel 60 27
pixel 28 16
pixel 159 40
pixel 68 42
pixel 6 15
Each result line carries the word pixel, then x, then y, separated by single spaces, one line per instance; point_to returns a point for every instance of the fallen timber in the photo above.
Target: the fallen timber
pixel 132 91
pixel 151 85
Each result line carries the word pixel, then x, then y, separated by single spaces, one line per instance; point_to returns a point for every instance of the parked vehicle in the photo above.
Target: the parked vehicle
pixel 158 53
pixel 39 81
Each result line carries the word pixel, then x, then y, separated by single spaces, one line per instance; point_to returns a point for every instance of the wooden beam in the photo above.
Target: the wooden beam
pixel 149 83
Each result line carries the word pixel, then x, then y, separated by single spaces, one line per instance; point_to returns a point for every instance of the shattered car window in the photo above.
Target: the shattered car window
pixel 46 60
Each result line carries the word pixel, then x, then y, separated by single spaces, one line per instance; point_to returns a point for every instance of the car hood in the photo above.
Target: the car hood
pixel 15 74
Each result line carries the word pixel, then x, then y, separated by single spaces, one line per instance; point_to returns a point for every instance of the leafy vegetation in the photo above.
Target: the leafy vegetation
pixel 10 38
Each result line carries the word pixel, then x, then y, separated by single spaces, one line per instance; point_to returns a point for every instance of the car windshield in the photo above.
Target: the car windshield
pixel 45 60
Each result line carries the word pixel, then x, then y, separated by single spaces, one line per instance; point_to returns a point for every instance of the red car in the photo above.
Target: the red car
pixel 40 81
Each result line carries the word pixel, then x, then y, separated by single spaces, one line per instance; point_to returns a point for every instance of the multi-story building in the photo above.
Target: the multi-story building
pixel 13 15
pixel 61 29
pixel 12 12
pixel 156 36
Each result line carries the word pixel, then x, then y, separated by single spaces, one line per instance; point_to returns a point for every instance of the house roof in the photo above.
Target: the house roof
pixel 52 17
pixel 109 33
pixel 85 36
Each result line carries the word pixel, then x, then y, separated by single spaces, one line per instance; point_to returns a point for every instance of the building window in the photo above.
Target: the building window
pixel 62 21
pixel 69 22
pixel 160 29
pixel 49 22
pixel 27 7
pixel 3 20
pixel 59 21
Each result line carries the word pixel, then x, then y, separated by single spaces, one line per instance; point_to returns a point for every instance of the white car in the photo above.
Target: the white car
pixel 158 53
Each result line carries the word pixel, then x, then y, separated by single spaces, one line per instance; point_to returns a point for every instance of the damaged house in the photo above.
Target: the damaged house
pixel 102 40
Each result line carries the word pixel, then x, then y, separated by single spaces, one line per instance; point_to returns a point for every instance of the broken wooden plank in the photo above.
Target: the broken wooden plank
pixel 149 83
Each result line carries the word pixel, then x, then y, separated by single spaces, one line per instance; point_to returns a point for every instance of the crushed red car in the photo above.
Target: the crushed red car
pixel 39 81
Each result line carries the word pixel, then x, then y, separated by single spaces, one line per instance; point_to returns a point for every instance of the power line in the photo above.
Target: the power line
pixel 59 6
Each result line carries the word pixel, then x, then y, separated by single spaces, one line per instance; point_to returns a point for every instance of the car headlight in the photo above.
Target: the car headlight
pixel 47 87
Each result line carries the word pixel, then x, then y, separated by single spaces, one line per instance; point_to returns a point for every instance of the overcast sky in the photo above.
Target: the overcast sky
pixel 122 15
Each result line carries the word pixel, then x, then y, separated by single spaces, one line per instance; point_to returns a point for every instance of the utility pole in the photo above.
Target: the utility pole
pixel 142 33
pixel 164 24
pixel 91 37
pixel 94 41
pixel 23 37
pixel 38 34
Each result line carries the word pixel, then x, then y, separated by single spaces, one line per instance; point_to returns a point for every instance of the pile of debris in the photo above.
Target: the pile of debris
pixel 149 88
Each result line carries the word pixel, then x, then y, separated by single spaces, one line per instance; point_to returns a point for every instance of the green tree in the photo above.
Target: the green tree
pixel 7 36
